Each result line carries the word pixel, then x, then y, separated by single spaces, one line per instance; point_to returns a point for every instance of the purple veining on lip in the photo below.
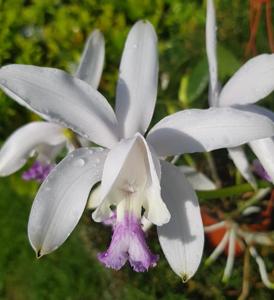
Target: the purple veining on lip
pixel 260 171
pixel 111 221
pixel 38 171
pixel 128 243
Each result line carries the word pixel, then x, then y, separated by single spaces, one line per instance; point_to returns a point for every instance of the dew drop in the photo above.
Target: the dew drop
pixel 79 162
pixel 3 81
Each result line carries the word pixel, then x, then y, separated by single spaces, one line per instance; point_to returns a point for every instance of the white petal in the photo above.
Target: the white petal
pixel 146 224
pixel 92 61
pixel 130 168
pixel 240 160
pixel 198 180
pixel 214 227
pixel 138 80
pixel 252 82
pixel 63 99
pixel 230 256
pixel 20 145
pixel 257 109
pixel 218 250
pixel 94 199
pixel 262 268
pixel 47 154
pixel 211 52
pixel 264 150
pixel 197 130
pixel 62 197
pixel 182 239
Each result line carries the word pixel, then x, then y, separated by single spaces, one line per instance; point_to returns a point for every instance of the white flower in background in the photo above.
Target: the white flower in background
pixel 237 240
pixel 133 178
pixel 252 82
pixel 46 139
pixel 198 180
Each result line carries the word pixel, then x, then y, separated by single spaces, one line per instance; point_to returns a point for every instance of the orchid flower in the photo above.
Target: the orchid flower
pixel 252 82
pixel 134 178
pixel 47 139
pixel 234 240
pixel 198 180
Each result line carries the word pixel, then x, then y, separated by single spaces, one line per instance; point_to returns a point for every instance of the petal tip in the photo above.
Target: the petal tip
pixel 185 277
pixel 39 254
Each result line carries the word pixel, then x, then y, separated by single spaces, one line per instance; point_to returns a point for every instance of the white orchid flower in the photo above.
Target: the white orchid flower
pixel 198 180
pixel 252 82
pixel 47 139
pixel 236 240
pixel 133 178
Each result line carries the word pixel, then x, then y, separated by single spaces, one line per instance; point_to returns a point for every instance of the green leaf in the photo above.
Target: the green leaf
pixel 228 63
pixel 194 83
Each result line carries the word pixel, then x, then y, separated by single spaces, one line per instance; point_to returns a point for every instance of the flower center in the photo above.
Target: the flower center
pixel 128 239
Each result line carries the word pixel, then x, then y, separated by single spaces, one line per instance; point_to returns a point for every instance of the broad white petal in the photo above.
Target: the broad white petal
pixel 211 52
pixel 138 79
pixel 62 98
pixel 198 180
pixel 257 109
pixel 21 144
pixel 197 130
pixel 240 160
pixel 182 239
pixel 92 61
pixel 62 198
pixel 264 150
pixel 252 82
pixel 130 168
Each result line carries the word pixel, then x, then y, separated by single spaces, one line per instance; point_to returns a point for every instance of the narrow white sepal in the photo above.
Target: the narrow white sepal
pixel 138 80
pixel 62 98
pixel 92 60
pixel 240 160
pixel 211 52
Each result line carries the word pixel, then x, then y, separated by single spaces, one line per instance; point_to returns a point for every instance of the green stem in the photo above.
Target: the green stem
pixel 190 161
pixel 231 191
pixel 259 195
pixel 213 169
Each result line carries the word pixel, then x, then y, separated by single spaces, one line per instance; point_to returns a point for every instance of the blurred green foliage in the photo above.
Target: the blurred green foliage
pixel 52 33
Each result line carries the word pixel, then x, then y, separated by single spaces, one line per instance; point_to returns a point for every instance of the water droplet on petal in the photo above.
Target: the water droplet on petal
pixel 79 162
